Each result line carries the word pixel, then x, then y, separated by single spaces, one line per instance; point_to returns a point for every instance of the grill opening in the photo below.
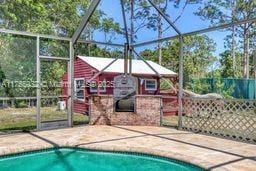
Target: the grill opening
pixel 125 105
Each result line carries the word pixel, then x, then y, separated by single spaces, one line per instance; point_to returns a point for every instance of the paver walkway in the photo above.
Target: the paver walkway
pixel 206 151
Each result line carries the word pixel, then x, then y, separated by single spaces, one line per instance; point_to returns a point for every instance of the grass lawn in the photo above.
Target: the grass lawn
pixel 12 119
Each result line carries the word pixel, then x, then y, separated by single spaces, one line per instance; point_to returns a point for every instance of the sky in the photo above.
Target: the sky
pixel 187 23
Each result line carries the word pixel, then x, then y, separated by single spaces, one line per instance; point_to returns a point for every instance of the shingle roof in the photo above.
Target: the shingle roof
pixel 138 66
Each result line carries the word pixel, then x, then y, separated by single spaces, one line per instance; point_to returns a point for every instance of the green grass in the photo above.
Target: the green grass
pixel 12 119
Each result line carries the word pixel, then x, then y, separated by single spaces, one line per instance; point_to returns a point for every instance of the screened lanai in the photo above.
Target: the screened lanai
pixel 209 44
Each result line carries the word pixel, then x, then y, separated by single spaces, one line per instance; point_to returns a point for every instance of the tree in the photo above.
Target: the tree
pixel 59 17
pixel 226 11
pixel 55 17
pixel 18 63
pixel 110 29
pixel 198 55
pixel 226 62
pixel 145 17
pixel 199 86
pixel 219 86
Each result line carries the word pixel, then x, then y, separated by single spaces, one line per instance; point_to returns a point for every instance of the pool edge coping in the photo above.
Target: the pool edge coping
pixel 149 154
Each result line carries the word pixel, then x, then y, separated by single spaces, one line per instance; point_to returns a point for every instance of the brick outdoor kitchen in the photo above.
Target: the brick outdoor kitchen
pixel 96 98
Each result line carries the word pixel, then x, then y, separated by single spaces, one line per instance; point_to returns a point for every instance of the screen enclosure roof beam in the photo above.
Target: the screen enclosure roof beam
pixel 153 69
pixel 202 31
pixel 29 34
pixel 165 17
pixel 88 14
pixel 125 23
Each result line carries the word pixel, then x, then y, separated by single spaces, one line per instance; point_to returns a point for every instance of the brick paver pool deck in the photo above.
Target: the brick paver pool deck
pixel 206 151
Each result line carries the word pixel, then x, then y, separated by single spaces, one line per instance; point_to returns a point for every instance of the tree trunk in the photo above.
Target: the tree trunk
pixel 89 49
pixel 233 48
pixel 246 55
pixel 89 37
pixel 132 20
pixel 233 6
pixel 160 33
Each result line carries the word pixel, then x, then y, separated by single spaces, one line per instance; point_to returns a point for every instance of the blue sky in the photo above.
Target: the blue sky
pixel 187 23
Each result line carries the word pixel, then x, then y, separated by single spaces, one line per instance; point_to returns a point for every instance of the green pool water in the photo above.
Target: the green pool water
pixel 69 159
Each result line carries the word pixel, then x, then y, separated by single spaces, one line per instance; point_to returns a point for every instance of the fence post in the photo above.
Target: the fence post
pixel 38 86
pixel 180 96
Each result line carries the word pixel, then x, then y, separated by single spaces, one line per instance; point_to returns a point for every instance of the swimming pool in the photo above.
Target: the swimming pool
pixel 76 159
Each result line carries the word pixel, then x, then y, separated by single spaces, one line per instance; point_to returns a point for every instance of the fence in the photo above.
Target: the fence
pixel 234 119
pixel 21 102
pixel 240 88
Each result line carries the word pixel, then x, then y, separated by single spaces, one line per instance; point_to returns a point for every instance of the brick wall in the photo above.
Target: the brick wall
pixel 147 111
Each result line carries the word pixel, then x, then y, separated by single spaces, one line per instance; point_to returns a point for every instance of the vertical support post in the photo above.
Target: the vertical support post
pixel 254 70
pixel 38 86
pixel 254 65
pixel 71 83
pixel 132 25
pixel 180 97
pixel 130 59
pixel 126 55
pixel 131 38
